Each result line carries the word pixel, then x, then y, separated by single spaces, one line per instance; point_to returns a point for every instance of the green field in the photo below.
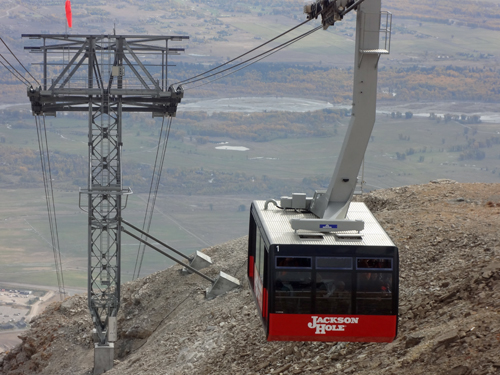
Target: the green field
pixel 428 40
pixel 189 223
pixel 185 223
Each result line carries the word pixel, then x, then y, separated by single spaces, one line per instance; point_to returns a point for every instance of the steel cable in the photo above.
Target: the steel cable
pixel 49 198
pixel 240 56
pixel 145 227
pixel 266 54
pixel 153 191
pixel 157 170
pixel 22 79
pixel 12 53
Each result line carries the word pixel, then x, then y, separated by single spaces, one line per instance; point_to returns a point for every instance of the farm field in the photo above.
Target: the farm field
pixel 184 223
pixel 193 222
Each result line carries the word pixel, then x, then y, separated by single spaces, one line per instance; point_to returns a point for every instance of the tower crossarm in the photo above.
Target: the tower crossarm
pixel 130 67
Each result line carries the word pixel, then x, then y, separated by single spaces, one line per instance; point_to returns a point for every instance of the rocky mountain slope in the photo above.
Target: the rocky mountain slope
pixel 448 236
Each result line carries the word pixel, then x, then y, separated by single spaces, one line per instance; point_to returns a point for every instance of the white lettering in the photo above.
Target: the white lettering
pixel 321 326
pixel 320 329
pixel 313 323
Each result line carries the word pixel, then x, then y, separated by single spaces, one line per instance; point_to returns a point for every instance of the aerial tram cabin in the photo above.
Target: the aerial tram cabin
pixel 322 268
pixel 322 286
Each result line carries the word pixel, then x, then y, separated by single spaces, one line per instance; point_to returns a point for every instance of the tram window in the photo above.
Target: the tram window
pixel 374 263
pixel 333 292
pixel 262 250
pixel 259 252
pixel 257 248
pixel 337 263
pixel 293 262
pixel 292 290
pixel 260 256
pixel 374 293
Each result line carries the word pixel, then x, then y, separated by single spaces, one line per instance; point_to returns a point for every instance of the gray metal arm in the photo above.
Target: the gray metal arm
pixel 331 207
pixel 335 202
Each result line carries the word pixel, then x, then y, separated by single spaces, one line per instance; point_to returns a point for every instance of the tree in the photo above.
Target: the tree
pixel 400 156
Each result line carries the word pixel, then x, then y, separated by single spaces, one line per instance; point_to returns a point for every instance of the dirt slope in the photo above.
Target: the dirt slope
pixel 448 235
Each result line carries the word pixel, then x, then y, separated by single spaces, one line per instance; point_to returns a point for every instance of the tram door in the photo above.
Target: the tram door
pixel 258 254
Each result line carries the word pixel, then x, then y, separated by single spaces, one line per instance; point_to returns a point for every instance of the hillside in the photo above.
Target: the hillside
pixel 447 234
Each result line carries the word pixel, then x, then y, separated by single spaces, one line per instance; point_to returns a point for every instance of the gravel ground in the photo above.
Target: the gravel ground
pixel 448 236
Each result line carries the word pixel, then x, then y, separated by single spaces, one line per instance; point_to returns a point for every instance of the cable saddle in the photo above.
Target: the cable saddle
pixel 331 11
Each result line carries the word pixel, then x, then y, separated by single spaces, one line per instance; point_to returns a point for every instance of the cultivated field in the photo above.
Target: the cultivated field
pixel 191 222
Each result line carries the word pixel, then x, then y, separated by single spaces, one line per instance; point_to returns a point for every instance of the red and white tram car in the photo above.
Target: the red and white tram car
pixel 309 286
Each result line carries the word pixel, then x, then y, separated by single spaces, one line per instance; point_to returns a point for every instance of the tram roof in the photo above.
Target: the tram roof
pixel 276 224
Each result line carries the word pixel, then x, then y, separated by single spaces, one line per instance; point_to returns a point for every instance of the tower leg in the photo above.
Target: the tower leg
pixel 103 357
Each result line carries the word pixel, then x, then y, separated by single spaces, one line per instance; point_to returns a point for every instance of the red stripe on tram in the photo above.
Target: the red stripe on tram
pixel 264 312
pixel 321 327
pixel 250 266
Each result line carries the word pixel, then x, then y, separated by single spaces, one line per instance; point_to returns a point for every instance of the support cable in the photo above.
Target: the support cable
pixel 49 198
pixel 240 56
pixel 22 79
pixel 153 192
pixel 52 209
pixel 156 176
pixel 266 54
pixel 13 54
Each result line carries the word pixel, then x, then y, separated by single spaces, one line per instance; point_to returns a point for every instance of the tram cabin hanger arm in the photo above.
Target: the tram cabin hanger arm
pixel 330 206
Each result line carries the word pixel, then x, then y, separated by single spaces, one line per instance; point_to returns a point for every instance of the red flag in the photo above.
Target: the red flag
pixel 68 13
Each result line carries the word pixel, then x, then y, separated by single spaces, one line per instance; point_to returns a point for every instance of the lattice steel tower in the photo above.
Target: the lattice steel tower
pixel 104 76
